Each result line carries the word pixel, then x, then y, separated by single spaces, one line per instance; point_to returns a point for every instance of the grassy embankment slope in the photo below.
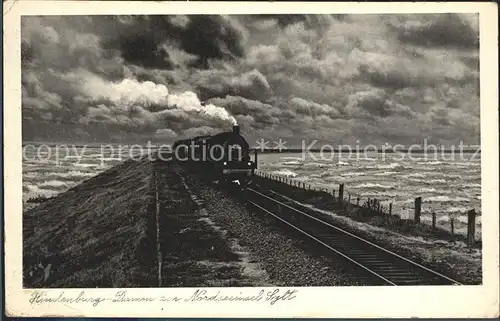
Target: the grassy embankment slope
pixel 97 234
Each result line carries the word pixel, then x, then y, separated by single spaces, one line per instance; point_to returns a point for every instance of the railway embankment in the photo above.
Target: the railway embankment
pixel 434 249
pixel 152 224
pixel 193 249
pixel 96 234
pixel 286 259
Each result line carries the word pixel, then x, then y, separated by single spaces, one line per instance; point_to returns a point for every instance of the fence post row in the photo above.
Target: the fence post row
pixel 418 209
pixel 341 192
pixel 471 227
pixel 471 215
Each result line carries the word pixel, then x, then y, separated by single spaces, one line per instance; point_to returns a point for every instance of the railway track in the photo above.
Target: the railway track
pixel 378 263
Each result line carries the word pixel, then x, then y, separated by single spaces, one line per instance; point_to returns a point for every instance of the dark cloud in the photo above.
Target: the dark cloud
pixel 281 20
pixel 389 78
pixel 251 85
pixel 471 62
pixel 143 50
pixel 141 40
pixel 385 77
pixel 311 108
pixel 27 52
pixel 285 19
pixel 440 116
pixel 137 39
pixel 211 37
pixel 443 30
pixel 372 102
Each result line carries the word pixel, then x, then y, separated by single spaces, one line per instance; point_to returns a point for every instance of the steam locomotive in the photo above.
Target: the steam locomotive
pixel 224 157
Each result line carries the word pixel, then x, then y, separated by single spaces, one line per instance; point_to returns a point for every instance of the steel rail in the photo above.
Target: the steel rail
pixel 323 243
pixel 353 236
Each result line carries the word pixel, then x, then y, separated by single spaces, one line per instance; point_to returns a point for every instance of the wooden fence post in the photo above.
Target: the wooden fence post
pixel 390 208
pixel 471 227
pixel 452 222
pixel 357 200
pixel 433 220
pixel 255 158
pixel 418 209
pixel 333 193
pixel 341 192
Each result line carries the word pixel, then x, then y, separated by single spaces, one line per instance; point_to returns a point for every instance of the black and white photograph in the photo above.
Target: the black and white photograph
pixel 262 153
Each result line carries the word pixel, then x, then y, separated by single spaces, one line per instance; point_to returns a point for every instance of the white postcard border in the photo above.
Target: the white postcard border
pixel 428 301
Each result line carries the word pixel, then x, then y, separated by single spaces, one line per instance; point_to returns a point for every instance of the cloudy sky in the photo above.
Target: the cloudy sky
pixel 335 78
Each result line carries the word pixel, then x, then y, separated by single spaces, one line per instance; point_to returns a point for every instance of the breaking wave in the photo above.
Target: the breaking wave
pixel 433 163
pixel 419 175
pixel 446 199
pixel 285 172
pixel 385 173
pixel 427 190
pixel 53 183
pixel 318 165
pixel 353 174
pixel 472 185
pixel 373 185
pixel 292 162
pixel 291 158
pixel 397 166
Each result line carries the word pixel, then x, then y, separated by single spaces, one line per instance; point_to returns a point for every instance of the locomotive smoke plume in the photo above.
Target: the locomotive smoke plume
pixel 130 92
pixel 190 102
